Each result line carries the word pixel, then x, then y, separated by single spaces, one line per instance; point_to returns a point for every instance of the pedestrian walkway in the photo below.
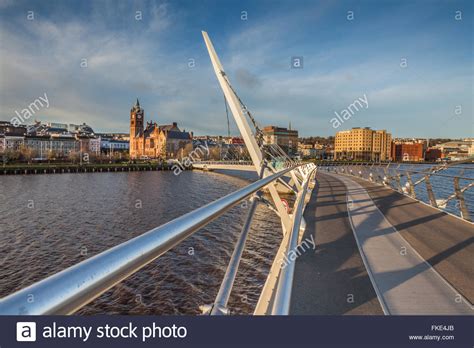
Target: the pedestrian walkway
pixel 364 265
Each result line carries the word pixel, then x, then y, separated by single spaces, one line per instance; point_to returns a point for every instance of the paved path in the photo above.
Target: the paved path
pixel 395 279
pixel 403 280
pixel 332 279
pixel 446 242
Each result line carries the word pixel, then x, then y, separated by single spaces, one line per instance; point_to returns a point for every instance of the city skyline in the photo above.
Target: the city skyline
pixel 413 63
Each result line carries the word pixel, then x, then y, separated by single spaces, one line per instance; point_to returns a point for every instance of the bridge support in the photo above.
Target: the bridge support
pixel 244 128
pixel 300 177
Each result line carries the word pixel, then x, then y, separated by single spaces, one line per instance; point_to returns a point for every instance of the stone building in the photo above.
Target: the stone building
pixel 154 141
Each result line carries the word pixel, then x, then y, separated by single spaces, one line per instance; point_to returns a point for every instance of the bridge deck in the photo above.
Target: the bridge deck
pixel 334 280
pixel 446 242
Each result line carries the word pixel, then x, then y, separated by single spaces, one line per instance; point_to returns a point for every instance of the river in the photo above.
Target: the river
pixel 50 222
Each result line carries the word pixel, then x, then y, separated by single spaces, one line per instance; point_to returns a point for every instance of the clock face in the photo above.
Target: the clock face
pixel 139 116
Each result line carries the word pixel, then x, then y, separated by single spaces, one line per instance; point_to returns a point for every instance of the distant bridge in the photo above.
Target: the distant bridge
pixel 228 165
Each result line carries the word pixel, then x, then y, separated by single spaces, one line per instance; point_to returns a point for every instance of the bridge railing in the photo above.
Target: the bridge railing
pixel 408 181
pixel 69 290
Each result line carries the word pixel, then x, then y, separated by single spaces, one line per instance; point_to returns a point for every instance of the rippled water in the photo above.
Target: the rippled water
pixel 49 222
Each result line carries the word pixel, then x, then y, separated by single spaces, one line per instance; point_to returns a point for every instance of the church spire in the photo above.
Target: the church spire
pixel 137 104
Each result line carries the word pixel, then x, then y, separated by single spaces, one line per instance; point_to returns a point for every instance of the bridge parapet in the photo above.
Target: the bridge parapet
pixel 441 186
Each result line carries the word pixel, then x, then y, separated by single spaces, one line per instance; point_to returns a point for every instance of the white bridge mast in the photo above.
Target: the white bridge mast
pixel 245 130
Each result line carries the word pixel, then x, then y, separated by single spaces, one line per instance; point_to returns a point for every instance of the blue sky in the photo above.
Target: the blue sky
pixel 343 61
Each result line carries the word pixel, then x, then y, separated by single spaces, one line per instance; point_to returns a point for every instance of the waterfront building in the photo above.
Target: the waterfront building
pixel 50 128
pixel 154 141
pixel 62 144
pixel 108 145
pixel 306 150
pixel 11 137
pixel 94 145
pixel 328 153
pixel 43 146
pixel 7 128
pixel 83 129
pixel 11 142
pixel 363 144
pixel 457 149
pixel 39 144
pixel 115 136
pixel 432 154
pixel 405 150
pixel 310 151
pixel 57 125
pixel 286 138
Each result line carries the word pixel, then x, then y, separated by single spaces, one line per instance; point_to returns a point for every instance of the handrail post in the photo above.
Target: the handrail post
pixel 429 189
pixel 220 303
pixel 411 187
pixel 399 183
pixel 462 203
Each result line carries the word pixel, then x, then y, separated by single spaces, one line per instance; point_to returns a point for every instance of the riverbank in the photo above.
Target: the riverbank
pixel 84 168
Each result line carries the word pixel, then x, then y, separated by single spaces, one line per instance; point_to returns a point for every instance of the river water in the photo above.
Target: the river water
pixel 50 222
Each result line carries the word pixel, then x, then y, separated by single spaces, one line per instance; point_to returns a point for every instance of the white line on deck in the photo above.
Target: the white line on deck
pixel 404 282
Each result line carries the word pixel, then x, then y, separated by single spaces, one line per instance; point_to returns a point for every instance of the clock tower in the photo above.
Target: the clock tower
pixel 137 115
pixel 136 120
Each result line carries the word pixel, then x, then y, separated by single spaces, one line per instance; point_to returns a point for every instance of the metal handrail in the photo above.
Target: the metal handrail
pixel 69 290
pixel 281 305
pixel 220 303
pixel 409 187
pixel 403 172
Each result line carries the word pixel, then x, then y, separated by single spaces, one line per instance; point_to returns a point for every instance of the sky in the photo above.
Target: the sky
pixel 411 60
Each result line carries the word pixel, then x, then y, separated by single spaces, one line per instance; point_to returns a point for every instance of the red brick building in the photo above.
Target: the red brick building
pixel 154 141
pixel 409 152
pixel 432 155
